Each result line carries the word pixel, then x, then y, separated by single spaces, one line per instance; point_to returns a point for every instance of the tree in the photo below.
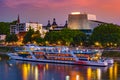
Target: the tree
pixel 4 28
pixel 39 40
pixel 11 38
pixel 65 36
pixel 36 35
pixel 74 37
pixel 106 35
pixel 79 38
pixel 52 37
pixel 28 36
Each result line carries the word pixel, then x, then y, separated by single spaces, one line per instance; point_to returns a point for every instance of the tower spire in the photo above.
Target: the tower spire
pixel 18 19
pixel 54 22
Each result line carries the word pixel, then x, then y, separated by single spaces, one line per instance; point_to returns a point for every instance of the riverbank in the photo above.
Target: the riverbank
pixel 5 49
pixel 111 54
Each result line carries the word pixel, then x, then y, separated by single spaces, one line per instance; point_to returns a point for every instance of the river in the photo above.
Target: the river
pixel 22 70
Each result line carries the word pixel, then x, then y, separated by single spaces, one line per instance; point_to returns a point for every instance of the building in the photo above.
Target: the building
pixel 24 27
pixel 2 37
pixel 76 20
pixel 20 29
pixel 54 26
pixel 83 22
pixel 95 23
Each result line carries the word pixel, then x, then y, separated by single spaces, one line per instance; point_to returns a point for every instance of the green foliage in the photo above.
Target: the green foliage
pixel 11 38
pixel 52 36
pixel 106 34
pixel 4 28
pixel 36 35
pixel 39 40
pixel 28 36
pixel 79 38
pixel 65 37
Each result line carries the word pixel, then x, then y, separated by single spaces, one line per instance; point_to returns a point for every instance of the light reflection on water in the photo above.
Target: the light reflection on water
pixel 20 70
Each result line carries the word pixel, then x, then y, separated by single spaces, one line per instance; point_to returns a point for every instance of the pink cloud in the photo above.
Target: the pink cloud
pixel 104 6
pixel 52 3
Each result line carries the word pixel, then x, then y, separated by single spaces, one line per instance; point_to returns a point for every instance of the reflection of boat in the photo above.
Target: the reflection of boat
pixel 56 55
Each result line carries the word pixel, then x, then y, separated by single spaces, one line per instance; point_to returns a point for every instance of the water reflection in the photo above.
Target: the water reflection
pixel 47 71
pixel 113 72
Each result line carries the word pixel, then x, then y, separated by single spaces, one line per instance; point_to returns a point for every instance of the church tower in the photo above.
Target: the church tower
pixel 54 24
pixel 48 25
pixel 18 19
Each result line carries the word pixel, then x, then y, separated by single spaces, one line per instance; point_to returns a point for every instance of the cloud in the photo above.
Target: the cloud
pixel 95 5
pixel 52 3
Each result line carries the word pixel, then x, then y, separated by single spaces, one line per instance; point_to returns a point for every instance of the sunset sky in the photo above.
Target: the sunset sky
pixel 43 10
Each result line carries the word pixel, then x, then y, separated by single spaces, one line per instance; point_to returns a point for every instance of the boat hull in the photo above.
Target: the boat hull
pixel 85 63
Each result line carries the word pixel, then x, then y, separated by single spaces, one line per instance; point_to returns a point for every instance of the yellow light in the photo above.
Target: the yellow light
pixel 111 44
pixel 25 72
pixel 97 43
pixel 115 45
pixel 46 42
pixel 81 43
pixel 108 44
pixel 111 73
pixel 59 42
pixel 74 13
pixel 89 73
pixel 115 71
pixel 46 66
pixel 99 74
pixel 36 73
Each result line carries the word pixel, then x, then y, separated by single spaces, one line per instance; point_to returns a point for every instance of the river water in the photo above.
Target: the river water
pixel 21 70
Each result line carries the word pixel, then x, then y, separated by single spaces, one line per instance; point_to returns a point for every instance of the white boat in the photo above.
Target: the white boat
pixel 92 54
pixel 55 55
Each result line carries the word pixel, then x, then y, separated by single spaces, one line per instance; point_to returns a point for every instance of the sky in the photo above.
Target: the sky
pixel 43 10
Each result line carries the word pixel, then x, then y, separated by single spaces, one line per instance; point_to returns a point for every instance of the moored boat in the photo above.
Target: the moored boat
pixel 57 55
pixel 92 55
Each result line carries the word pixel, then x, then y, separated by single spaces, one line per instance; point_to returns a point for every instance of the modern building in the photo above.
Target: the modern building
pixel 76 20
pixel 95 23
pixel 82 21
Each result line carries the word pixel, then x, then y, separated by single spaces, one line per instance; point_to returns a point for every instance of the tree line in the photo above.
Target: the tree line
pixel 105 35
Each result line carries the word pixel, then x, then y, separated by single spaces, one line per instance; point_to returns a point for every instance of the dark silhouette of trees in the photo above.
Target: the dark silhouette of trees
pixel 106 35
